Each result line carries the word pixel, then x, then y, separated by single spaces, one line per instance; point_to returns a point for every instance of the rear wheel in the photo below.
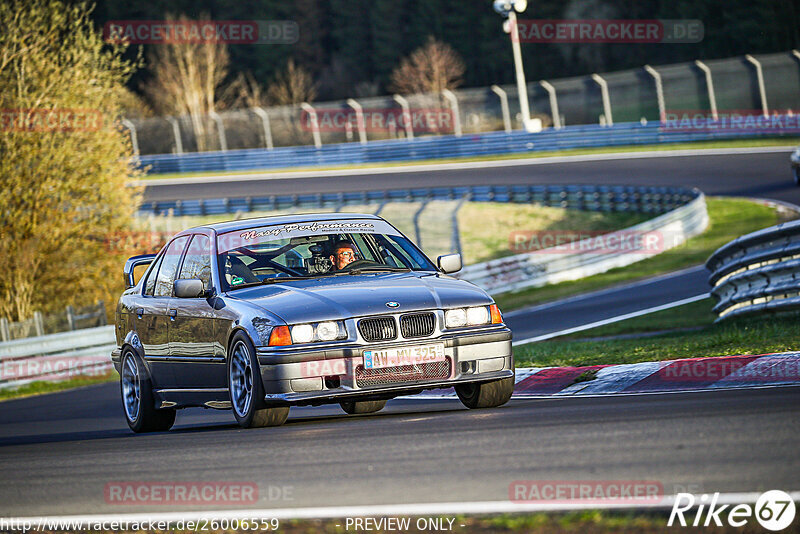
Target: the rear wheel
pixel 486 394
pixel 247 390
pixel 137 398
pixel 356 407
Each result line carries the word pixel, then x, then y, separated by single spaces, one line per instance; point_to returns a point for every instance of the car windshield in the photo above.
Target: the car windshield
pixel 279 253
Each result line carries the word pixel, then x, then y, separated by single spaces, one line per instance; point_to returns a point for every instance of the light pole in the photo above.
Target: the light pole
pixel 509 9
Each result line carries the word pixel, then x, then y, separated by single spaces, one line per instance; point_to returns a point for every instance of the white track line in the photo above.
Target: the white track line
pixel 402 169
pixel 380 510
pixel 612 320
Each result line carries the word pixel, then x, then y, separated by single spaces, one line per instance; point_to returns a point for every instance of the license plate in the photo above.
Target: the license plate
pixel 396 356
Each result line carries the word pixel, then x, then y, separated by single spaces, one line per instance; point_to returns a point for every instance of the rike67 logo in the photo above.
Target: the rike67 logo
pixel 774 510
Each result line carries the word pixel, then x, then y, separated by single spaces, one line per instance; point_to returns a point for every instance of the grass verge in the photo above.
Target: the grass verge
pixel 729 218
pixel 755 335
pixel 733 143
pixel 39 388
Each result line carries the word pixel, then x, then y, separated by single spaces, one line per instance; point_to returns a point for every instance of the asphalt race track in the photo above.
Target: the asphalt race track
pixel 759 174
pixel 606 304
pixel 58 452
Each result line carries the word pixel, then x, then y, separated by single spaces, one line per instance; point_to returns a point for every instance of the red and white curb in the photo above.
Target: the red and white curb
pixel 692 374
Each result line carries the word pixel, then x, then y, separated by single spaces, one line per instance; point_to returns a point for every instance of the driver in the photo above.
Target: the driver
pixel 344 253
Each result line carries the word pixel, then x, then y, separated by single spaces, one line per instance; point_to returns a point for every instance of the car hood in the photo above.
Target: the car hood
pixel 341 297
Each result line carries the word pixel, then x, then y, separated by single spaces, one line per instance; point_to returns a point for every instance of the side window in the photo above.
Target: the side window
pixel 169 266
pixel 150 284
pixel 197 263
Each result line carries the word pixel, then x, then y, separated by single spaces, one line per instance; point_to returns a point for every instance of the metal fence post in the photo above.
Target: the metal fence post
pixel 760 78
pixel 451 97
pixel 38 323
pixel 5 332
pixel 223 141
pixel 265 124
pixel 606 99
pixel 551 92
pixel 417 214
pixel 455 242
pixel 503 107
pixel 662 113
pixel 176 132
pixel 712 99
pixel 70 317
pixel 406 115
pixel 134 139
pixel 312 114
pixel 362 129
pixel 101 309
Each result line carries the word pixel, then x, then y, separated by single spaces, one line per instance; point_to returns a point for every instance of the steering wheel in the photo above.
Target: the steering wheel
pixel 359 264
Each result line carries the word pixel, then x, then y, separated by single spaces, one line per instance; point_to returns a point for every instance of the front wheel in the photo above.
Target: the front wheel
pixel 247 390
pixel 486 394
pixel 357 407
pixel 137 398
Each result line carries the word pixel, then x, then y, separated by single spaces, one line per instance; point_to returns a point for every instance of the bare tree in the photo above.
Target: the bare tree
pixel 243 92
pixel 186 78
pixel 429 69
pixel 291 86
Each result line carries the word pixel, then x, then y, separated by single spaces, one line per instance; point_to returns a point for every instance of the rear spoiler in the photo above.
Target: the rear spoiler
pixel 132 263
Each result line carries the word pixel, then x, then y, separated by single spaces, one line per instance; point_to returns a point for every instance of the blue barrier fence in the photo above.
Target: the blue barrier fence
pixel 449 146
pixel 582 197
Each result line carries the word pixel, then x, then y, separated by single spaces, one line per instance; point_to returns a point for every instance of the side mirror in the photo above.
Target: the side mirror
pixel 131 264
pixel 449 263
pixel 188 289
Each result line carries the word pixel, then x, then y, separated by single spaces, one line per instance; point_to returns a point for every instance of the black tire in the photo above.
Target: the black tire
pixel 357 407
pixel 246 379
pixel 797 176
pixel 135 387
pixel 486 394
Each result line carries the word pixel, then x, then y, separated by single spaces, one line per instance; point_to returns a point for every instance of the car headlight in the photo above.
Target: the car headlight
pixel 473 316
pixel 325 331
pixel 477 315
pixel 302 333
pixel 455 318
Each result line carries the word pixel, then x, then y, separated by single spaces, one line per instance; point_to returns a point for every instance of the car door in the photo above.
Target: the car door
pixel 153 317
pixel 191 326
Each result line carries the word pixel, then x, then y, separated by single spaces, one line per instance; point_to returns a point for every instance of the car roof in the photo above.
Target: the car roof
pixel 255 222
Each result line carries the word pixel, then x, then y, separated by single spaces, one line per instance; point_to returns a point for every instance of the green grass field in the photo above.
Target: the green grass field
pixel 755 335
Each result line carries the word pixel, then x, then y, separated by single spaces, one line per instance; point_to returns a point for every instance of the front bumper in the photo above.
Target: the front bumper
pixel 328 374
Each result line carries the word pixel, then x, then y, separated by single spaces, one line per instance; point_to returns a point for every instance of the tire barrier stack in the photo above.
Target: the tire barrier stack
pixel 757 273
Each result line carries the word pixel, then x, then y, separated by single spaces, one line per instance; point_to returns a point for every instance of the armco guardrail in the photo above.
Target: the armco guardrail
pixel 582 197
pixel 550 266
pixel 445 146
pixel 757 272
pixel 56 356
